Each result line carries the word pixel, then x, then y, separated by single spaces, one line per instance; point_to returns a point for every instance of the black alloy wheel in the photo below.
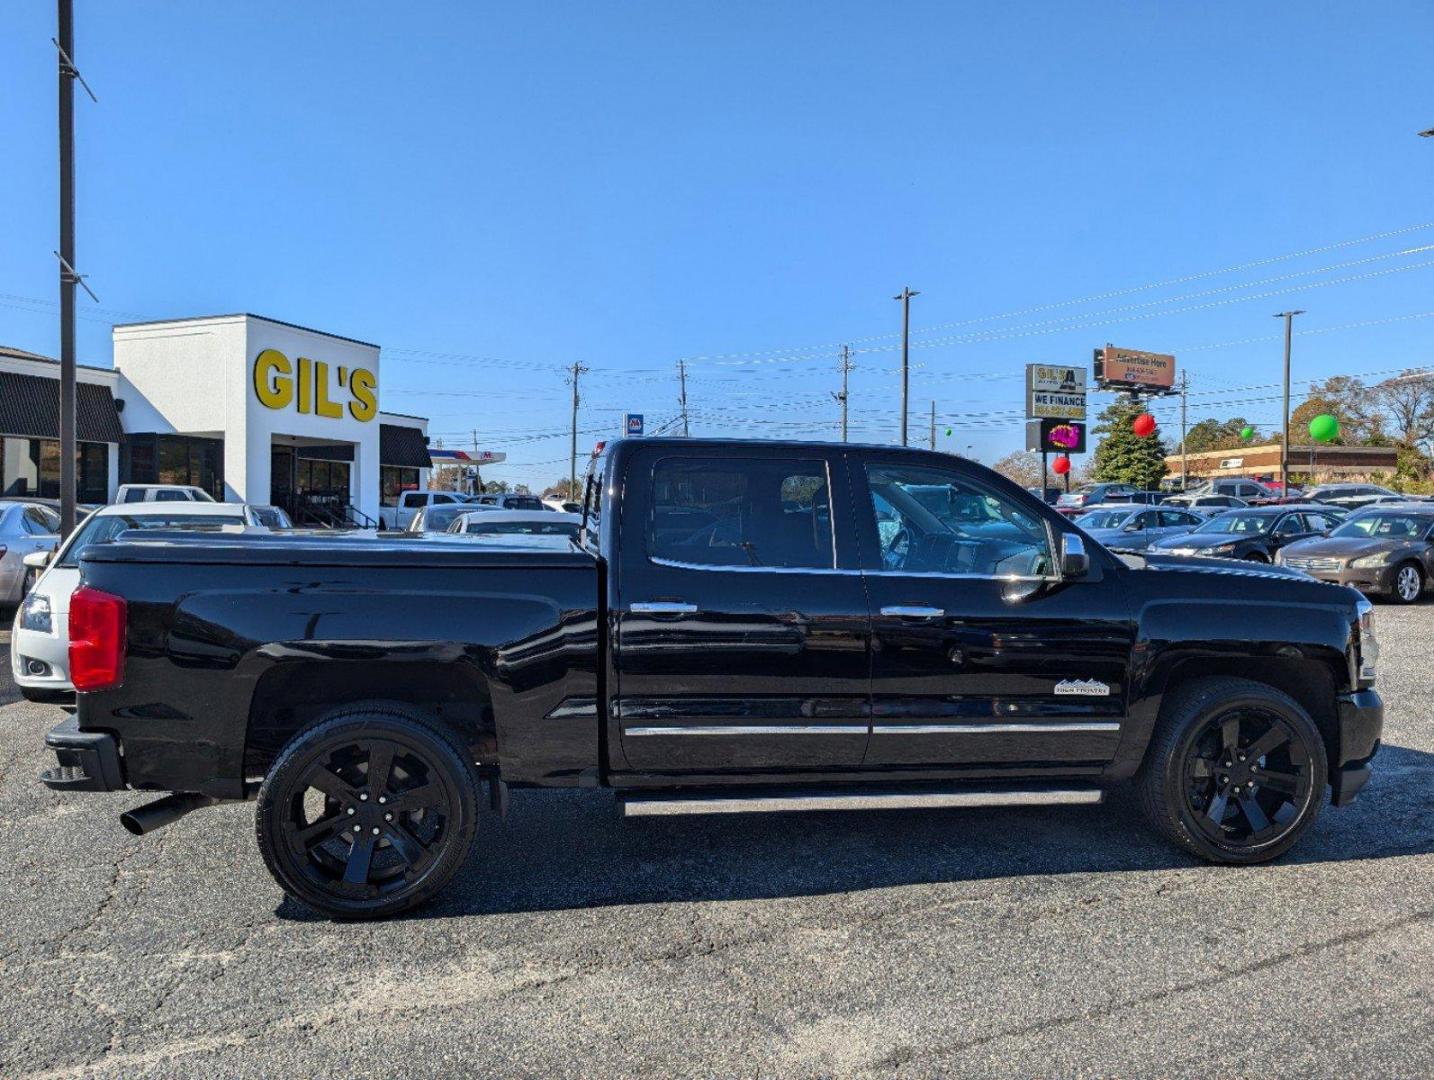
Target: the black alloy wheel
pixel 1235 772
pixel 368 814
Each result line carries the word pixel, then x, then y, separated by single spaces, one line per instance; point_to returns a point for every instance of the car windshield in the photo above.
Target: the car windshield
pixel 1104 519
pixel 1237 523
pixel 1386 526
pixel 101 527
pixel 540 528
pixel 438 518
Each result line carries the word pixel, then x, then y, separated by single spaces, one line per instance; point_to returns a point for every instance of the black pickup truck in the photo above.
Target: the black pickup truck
pixel 742 627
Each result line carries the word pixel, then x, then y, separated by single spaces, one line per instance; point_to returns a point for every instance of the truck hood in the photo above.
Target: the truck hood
pixel 1162 563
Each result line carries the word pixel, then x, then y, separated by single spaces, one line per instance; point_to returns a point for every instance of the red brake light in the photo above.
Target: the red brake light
pixel 97 639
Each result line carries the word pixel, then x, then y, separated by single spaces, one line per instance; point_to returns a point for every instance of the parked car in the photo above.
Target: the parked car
pixel 1250 492
pixel 738 633
pixel 1134 527
pixel 139 493
pixel 411 502
pixel 509 500
pixel 437 518
pixel 1387 550
pixel 1207 503
pixel 563 506
pixel 1254 533
pixel 25 528
pixel 39 642
pixel 1072 503
pixel 1349 496
pixel 269 517
pixel 517 522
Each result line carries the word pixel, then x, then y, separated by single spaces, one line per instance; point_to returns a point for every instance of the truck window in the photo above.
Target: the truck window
pixel 748 512
pixel 965 529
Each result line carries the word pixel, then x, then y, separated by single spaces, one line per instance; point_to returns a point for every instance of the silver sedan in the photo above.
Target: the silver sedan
pixel 25 527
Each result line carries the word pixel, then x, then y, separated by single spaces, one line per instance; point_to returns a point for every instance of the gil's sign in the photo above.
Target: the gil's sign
pixel 311 386
pixel 1055 392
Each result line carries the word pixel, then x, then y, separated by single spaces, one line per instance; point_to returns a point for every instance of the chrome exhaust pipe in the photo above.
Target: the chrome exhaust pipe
pixel 156 815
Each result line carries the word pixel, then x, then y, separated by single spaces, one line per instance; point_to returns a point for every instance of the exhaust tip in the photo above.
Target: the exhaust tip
pixel 145 819
pixel 131 823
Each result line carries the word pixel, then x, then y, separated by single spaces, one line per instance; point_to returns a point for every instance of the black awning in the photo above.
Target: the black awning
pixel 403 446
pixel 30 405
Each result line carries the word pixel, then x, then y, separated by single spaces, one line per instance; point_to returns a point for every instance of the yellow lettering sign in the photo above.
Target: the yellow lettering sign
pixel 278 385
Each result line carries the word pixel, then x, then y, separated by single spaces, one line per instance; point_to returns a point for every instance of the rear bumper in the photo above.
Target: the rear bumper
pixel 86 760
pixel 1361 723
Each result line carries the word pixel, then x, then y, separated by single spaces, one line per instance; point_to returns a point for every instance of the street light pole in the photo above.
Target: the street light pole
pixel 1289 317
pixel 905 297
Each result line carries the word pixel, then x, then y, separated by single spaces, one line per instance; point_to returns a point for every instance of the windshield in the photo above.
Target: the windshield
pixel 1242 524
pixel 101 527
pixel 437 518
pixel 1104 519
pixel 540 528
pixel 1386 526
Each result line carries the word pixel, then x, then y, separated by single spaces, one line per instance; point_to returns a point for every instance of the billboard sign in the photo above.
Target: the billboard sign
pixel 632 424
pixel 1131 369
pixel 1055 392
pixel 1056 436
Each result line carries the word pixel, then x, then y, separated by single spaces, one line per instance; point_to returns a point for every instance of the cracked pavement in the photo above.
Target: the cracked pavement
pixel 1042 941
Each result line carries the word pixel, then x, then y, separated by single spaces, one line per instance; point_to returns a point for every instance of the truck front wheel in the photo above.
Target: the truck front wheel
pixel 1235 771
pixel 367 814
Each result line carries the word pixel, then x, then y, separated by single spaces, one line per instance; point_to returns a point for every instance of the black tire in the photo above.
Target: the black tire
pixel 1204 806
pixel 413 827
pixel 1398 591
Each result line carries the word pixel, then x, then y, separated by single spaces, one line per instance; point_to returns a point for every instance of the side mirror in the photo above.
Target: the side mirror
pixel 1075 562
pixel 38 560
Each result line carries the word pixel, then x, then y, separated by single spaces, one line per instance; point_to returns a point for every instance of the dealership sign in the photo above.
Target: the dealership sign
pixel 1131 369
pixel 311 386
pixel 1055 392
pixel 632 423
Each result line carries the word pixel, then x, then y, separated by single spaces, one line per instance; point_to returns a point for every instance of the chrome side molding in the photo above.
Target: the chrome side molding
pixel 654 806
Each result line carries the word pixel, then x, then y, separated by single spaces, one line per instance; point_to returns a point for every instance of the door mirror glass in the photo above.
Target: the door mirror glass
pixel 1075 561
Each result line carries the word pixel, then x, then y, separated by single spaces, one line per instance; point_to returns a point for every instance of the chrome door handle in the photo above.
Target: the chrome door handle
pixel 912 611
pixel 661 607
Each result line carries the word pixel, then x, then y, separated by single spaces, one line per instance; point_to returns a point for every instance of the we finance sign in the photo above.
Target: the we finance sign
pixel 314 387
pixel 1055 392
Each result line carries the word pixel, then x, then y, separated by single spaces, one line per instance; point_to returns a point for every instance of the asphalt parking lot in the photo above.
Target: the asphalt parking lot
pixel 1025 942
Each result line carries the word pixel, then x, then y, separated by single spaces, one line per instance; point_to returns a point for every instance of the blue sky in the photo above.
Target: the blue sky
pixel 494 191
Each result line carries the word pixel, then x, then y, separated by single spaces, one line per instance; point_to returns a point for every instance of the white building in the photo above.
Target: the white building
pixel 248 408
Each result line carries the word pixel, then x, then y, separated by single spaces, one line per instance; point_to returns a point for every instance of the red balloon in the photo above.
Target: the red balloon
pixel 1144 425
pixel 1061 465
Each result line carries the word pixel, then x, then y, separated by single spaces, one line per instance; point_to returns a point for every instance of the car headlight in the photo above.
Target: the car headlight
pixel 35 614
pixel 1371 560
pixel 1367 644
pixel 1218 549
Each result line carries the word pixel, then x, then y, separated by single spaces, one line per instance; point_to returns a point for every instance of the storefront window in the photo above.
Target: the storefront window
pixel 174 459
pixel 32 467
pixel 394 480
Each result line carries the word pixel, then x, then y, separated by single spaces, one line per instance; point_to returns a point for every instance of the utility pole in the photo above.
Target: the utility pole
pixel 578 370
pixel 1184 463
pixel 933 425
pixel 1289 317
pixel 842 397
pixel 65 43
pixel 682 379
pixel 905 297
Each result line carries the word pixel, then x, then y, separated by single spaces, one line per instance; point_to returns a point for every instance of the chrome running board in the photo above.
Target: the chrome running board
pixel 644 805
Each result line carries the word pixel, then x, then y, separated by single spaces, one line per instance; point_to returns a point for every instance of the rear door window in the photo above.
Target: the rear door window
pixel 747 512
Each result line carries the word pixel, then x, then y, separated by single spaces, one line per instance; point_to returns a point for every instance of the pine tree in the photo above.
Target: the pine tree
pixel 1123 456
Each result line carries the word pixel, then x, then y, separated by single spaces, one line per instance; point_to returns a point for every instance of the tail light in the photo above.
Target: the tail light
pixel 97 630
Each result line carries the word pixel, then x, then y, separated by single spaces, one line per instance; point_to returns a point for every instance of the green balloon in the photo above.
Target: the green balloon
pixel 1324 428
pixel 1247 433
pixel 948 432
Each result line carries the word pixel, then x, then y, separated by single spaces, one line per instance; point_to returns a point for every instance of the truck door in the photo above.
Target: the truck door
pixel 742 626
pixel 979 656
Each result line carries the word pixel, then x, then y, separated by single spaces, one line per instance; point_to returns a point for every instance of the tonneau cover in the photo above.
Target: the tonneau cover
pixel 255 548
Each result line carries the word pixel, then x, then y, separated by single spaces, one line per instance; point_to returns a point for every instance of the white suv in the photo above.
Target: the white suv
pixel 139 493
pixel 410 502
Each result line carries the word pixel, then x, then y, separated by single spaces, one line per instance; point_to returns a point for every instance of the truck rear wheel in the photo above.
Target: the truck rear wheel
pixel 1235 771
pixel 367 814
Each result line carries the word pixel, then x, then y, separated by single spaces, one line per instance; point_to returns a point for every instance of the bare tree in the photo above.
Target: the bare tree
pixel 1022 466
pixel 1408 401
